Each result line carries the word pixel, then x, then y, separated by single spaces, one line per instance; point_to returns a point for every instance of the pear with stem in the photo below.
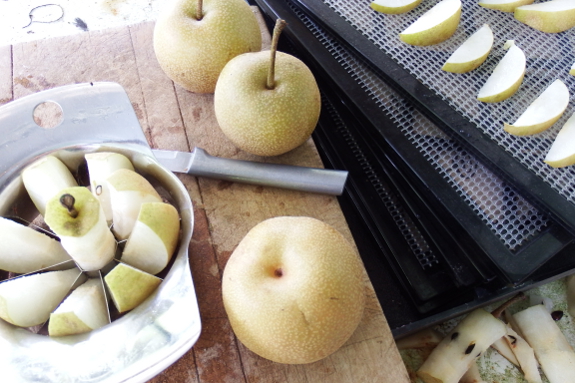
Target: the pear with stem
pixel 267 103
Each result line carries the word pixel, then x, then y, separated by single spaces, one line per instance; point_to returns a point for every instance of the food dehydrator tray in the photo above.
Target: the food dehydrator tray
pixel 449 100
pixel 505 244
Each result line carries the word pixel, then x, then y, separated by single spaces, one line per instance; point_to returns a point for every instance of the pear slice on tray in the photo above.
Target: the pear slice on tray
pixel 24 250
pixel 506 77
pixel 28 300
pixel 562 151
pixel 472 53
pixel 572 70
pixel 543 112
pixel 504 5
pixel 394 7
pixel 435 26
pixel 549 16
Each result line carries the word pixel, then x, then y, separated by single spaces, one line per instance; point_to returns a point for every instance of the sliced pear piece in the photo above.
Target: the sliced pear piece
pixel 549 16
pixel 434 26
pixel 77 218
pixel 394 7
pixel 562 151
pixel 44 178
pixel 455 354
pixel 543 112
pixel 100 166
pixel 128 191
pixel 572 70
pixel 24 250
pixel 28 300
pixel 504 5
pixel 472 53
pixel 553 351
pixel 506 77
pixel 129 286
pixel 154 237
pixel 84 310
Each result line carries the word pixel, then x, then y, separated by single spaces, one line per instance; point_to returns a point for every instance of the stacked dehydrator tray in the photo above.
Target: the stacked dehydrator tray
pixel 449 212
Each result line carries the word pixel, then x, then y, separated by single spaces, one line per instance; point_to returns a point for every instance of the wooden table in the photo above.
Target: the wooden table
pixel 173 118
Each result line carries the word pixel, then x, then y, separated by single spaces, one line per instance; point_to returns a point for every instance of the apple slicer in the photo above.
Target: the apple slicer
pixel 140 344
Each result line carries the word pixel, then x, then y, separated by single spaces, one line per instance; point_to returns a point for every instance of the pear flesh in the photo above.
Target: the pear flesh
pixel 472 53
pixel 154 237
pixel 543 112
pixel 129 286
pixel 262 121
pixel 572 70
pixel 28 300
pixel 504 5
pixel 24 250
pixel 553 16
pixel 394 7
pixel 84 310
pixel 128 191
pixel 553 351
pixel 45 178
pixel 506 77
pixel 193 52
pixel 455 354
pixel 293 290
pixel 562 151
pixel 434 26
pixel 85 236
pixel 100 166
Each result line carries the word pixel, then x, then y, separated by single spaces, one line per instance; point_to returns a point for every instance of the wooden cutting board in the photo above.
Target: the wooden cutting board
pixel 173 118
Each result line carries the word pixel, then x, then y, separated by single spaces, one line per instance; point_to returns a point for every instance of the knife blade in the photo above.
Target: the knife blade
pixel 200 163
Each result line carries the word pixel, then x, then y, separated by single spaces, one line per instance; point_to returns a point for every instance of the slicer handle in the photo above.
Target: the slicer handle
pixel 314 180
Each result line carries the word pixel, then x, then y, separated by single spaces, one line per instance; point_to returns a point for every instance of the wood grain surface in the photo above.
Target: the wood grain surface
pixel 173 118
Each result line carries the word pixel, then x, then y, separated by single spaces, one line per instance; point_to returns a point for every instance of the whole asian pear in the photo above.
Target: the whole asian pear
pixel 194 39
pixel 293 290
pixel 267 103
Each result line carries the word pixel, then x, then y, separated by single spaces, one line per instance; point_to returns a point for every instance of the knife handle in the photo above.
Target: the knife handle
pixel 313 180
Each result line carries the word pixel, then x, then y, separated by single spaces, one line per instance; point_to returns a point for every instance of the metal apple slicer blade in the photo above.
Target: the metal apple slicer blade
pixel 139 344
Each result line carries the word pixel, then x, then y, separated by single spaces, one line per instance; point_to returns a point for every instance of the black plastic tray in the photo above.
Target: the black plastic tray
pixel 531 186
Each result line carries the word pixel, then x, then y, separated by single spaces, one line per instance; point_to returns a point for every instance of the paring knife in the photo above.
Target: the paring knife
pixel 200 163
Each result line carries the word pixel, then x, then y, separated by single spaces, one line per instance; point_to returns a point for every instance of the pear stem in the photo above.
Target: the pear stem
pixel 199 9
pixel 278 28
pixel 68 200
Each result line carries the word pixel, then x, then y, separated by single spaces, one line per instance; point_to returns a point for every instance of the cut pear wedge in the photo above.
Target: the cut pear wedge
pixel 550 16
pixel 506 77
pixel 434 26
pixel 472 53
pixel 504 5
pixel 562 151
pixel 394 7
pixel 543 112
pixel 572 70
pixel 85 309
